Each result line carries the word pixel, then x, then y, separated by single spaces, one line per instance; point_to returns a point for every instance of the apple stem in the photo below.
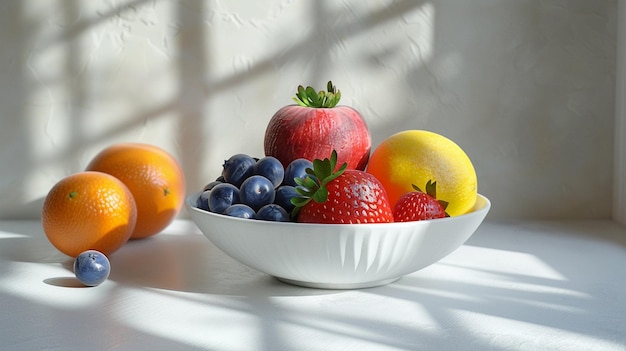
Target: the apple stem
pixel 307 97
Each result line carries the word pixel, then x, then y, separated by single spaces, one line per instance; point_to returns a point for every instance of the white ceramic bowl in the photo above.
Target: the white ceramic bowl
pixel 337 256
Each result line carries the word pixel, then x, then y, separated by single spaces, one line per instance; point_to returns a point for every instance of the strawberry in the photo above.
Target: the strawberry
pixel 340 197
pixel 419 205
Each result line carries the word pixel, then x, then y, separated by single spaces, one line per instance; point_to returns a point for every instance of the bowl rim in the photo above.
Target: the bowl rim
pixel 477 210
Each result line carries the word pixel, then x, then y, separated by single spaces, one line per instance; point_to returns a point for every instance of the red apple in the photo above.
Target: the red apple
pixel 315 127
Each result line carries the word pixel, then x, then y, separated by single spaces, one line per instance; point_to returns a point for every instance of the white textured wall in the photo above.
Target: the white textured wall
pixel 525 87
pixel 619 171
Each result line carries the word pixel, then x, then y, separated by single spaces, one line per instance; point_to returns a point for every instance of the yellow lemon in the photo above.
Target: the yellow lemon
pixel 413 157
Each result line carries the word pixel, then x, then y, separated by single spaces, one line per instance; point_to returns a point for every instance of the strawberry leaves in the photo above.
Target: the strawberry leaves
pixel 314 187
pixel 308 97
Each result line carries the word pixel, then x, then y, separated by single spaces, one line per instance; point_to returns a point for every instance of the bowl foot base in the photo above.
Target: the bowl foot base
pixel 338 286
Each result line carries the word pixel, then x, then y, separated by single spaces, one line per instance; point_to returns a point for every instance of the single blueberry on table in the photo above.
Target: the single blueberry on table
pixel 92 267
pixel 241 211
pixel 297 169
pixel 223 196
pixel 238 168
pixel 256 192
pixel 272 212
pixel 270 168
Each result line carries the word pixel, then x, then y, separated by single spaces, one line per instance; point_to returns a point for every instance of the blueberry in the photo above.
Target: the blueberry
pixel 241 211
pixel 256 192
pixel 284 194
pixel 223 196
pixel 92 267
pixel 270 168
pixel 238 168
pixel 203 200
pixel 272 212
pixel 211 185
pixel 297 169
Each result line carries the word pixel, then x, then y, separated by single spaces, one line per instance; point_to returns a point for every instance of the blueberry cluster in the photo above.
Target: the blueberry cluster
pixel 254 188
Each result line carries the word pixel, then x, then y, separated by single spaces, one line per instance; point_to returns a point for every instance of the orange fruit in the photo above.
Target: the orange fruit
pixel 88 210
pixel 154 178
pixel 413 157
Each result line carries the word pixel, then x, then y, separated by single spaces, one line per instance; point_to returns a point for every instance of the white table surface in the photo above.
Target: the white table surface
pixel 512 286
